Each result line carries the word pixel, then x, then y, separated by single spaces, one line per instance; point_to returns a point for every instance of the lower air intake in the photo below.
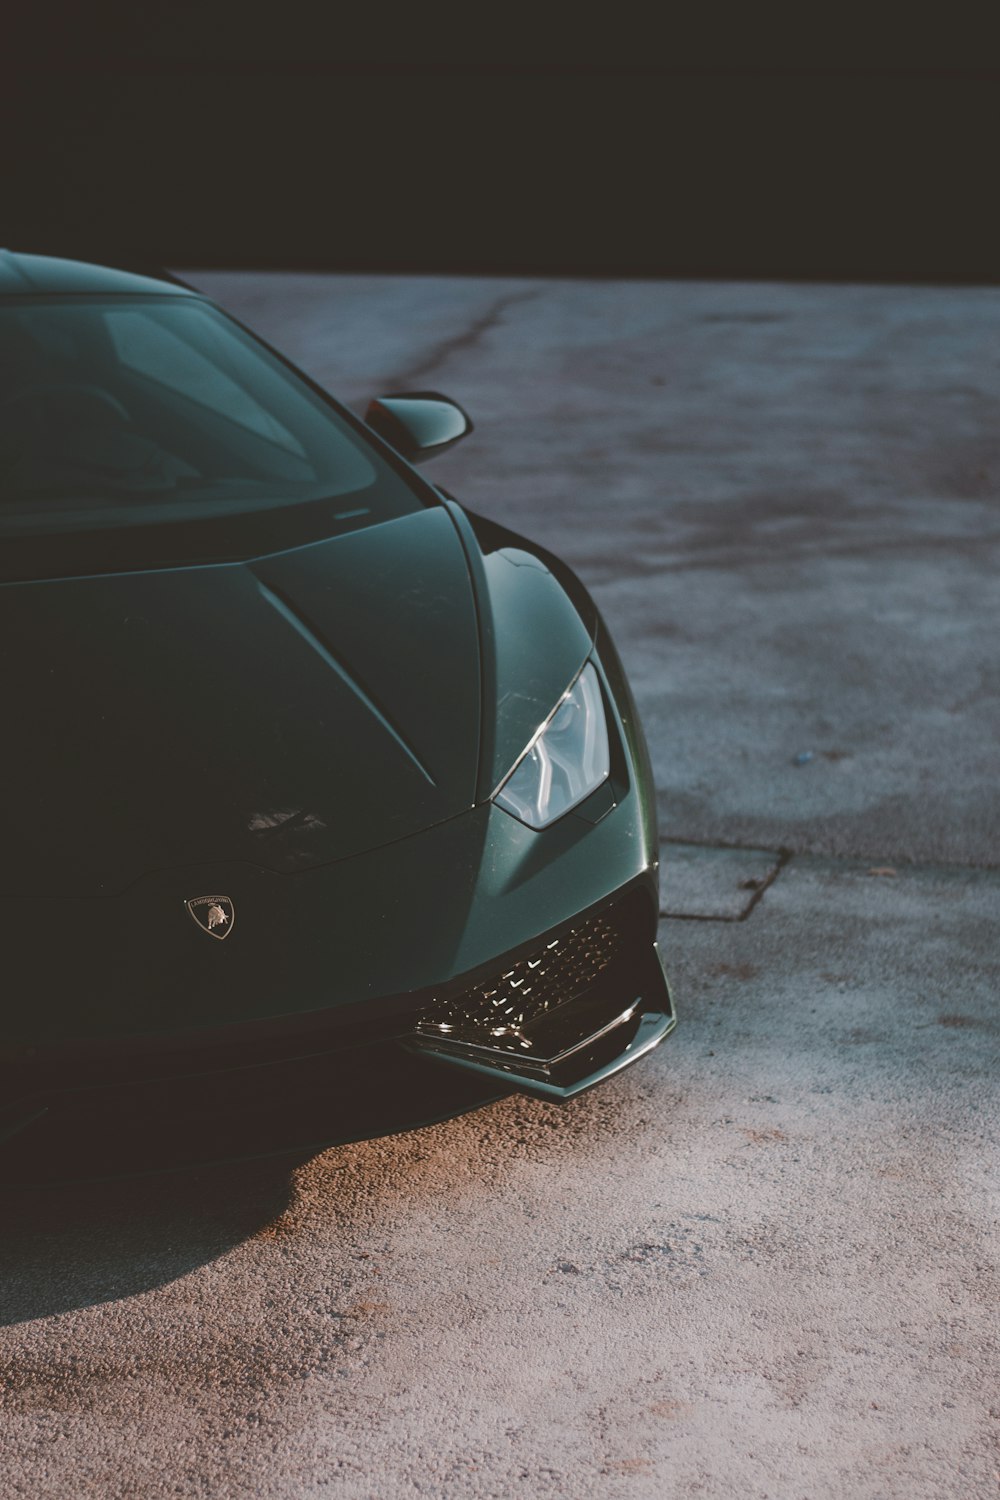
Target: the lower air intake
pixel 501 1013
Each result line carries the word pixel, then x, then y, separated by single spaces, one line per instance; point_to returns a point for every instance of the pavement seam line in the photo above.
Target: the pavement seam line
pixel 908 866
pixel 783 857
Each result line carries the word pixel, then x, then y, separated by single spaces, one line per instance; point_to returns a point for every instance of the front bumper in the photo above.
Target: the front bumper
pixel 134 1042
pixel 347 1074
pixel 585 1004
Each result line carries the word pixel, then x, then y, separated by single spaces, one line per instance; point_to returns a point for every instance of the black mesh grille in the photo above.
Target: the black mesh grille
pixel 500 1012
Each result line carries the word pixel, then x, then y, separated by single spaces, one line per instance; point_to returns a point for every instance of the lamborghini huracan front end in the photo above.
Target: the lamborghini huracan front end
pixel 311 773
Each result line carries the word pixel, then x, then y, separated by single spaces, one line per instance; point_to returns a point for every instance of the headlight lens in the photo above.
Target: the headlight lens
pixel 566 760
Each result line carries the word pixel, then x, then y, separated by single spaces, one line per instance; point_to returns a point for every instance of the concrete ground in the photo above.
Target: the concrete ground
pixel 764 1261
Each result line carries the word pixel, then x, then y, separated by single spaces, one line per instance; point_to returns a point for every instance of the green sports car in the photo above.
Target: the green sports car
pixel 316 784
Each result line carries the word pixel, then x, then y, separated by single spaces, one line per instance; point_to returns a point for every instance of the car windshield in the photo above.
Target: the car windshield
pixel 152 431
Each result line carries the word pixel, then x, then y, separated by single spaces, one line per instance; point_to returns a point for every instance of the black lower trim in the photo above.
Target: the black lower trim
pixel 627 1012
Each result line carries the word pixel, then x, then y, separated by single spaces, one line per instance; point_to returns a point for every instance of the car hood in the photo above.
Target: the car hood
pixel 288 712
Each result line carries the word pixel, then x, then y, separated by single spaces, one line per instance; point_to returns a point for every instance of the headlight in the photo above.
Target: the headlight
pixel 566 760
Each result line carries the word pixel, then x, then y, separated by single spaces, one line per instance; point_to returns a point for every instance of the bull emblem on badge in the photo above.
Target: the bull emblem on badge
pixel 213 914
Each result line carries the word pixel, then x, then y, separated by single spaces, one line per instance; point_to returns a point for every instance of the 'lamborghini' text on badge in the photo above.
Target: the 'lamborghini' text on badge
pixel 215 915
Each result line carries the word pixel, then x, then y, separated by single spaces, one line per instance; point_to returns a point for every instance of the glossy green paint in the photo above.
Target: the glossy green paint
pixel 315 734
pixel 400 919
pixel 190 779
pixel 218 747
pixel 533 643
pixel 290 711
pixel 208 707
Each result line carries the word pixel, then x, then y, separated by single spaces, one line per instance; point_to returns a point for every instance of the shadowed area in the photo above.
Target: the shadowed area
pixel 74 1246
pixel 254 1111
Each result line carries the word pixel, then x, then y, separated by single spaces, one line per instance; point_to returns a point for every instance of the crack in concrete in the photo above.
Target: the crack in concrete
pixel 782 858
pixel 477 329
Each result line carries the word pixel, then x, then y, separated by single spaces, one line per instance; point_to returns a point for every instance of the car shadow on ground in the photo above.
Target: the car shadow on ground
pixel 107 1219
pixel 72 1245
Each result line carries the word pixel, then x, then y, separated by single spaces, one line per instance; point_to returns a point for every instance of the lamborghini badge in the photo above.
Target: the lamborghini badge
pixel 213 914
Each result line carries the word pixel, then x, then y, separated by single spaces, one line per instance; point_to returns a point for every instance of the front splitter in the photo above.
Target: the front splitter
pixel 631 1023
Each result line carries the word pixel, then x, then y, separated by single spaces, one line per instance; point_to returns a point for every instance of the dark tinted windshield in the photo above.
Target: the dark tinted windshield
pixel 144 432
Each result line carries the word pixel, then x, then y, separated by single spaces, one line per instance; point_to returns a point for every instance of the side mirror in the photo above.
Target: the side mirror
pixel 419 424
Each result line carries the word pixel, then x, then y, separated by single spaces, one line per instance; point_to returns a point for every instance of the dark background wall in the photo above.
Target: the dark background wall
pixel 383 141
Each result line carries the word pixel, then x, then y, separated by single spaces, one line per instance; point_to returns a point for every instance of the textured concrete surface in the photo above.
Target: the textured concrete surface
pixel 763 1262
pixel 715 884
